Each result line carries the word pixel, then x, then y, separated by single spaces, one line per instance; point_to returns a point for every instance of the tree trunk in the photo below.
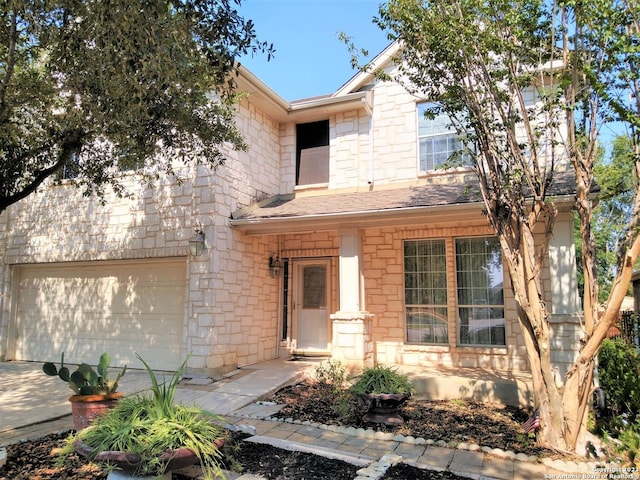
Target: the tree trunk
pixel 524 255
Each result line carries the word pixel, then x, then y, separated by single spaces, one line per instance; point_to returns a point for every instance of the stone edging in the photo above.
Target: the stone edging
pixel 556 464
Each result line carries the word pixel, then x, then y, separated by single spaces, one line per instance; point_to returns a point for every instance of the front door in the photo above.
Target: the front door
pixel 311 305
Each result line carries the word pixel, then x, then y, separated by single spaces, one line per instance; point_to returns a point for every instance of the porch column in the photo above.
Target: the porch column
pixel 352 342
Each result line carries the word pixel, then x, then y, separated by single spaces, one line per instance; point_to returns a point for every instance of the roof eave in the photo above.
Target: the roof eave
pixel 451 213
pixel 368 218
pixel 303 110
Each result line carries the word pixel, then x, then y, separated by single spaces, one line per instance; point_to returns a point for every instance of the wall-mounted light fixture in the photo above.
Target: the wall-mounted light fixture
pixel 275 265
pixel 196 243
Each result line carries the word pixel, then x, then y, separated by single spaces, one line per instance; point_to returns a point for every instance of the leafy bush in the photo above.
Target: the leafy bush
pixel 619 377
pixel 383 379
pixel 630 443
pixel 331 373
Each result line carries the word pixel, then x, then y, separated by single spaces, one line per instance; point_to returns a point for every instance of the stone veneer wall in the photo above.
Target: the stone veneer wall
pixel 384 290
pixel 232 304
pixel 384 284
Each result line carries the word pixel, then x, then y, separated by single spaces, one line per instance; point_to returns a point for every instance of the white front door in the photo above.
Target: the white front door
pixel 311 305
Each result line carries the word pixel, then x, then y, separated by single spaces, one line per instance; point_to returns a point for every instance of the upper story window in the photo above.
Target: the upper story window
pixel 437 138
pixel 129 162
pixel 312 153
pixel 70 169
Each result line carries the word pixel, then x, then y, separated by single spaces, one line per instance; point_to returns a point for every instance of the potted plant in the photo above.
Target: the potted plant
pixel 150 435
pixel 383 390
pixel 94 391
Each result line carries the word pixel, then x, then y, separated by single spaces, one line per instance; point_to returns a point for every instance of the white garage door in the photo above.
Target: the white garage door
pixel 86 309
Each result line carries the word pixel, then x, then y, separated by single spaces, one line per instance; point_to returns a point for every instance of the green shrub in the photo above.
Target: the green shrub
pixel 619 377
pixel 383 379
pixel 332 373
pixel 629 443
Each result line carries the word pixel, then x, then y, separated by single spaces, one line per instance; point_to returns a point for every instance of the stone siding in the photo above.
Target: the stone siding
pixel 232 303
pixel 384 282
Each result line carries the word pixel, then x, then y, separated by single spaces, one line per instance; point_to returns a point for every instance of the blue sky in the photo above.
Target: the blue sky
pixel 309 58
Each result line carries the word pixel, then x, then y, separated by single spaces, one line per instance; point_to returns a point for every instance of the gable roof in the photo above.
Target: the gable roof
pixel 401 206
pixel 361 78
pixel 303 110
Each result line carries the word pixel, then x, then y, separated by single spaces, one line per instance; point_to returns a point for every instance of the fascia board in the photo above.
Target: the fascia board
pixel 372 218
pixel 299 111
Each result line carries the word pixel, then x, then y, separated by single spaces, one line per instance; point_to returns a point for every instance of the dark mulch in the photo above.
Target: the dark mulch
pixel 274 463
pixel 403 471
pixel 36 460
pixel 452 421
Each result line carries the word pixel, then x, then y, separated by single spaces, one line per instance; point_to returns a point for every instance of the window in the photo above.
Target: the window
pixel 312 153
pixel 480 291
pixel 437 137
pixel 425 287
pixel 129 162
pixel 70 169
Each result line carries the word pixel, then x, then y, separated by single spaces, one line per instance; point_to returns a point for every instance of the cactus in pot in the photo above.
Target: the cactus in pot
pixel 94 391
pixel 85 380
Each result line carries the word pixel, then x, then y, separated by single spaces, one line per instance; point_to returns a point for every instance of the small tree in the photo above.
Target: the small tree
pixel 91 85
pixel 483 63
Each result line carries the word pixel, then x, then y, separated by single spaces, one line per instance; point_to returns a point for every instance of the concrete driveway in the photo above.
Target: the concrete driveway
pixel 28 396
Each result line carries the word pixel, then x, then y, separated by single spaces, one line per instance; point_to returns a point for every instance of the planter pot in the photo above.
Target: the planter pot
pixel 118 475
pixel 131 463
pixel 383 407
pixel 85 408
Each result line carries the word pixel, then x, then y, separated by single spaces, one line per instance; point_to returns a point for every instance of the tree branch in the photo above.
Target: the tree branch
pixel 67 148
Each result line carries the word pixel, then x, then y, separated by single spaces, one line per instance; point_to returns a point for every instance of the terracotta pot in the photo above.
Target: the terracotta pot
pixel 383 407
pixel 85 408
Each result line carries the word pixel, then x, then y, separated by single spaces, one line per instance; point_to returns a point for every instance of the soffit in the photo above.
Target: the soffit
pixel 298 111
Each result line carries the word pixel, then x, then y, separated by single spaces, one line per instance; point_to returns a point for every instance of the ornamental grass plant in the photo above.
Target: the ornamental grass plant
pixel 383 379
pixel 150 425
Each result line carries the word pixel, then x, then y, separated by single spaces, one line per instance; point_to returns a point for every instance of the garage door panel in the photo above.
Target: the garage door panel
pixel 121 308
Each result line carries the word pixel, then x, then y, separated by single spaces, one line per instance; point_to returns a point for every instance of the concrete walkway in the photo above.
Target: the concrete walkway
pixel 33 405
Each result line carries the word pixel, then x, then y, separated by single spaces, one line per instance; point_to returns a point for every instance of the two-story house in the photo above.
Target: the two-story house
pixel 335 234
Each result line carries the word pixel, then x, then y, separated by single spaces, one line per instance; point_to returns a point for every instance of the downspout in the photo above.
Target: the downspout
pixel 367 102
pixel 8 280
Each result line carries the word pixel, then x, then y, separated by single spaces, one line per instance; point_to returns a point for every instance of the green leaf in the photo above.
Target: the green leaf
pixel 64 374
pixel 50 369
pixel 103 364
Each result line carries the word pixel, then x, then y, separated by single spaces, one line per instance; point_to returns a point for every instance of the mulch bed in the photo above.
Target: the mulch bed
pixel 450 421
pixel 36 460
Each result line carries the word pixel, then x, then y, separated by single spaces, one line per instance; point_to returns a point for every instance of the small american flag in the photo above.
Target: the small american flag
pixel 533 422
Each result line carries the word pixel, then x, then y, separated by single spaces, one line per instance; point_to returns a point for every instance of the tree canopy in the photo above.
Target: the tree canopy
pixel 528 84
pixel 91 84
pixel 615 177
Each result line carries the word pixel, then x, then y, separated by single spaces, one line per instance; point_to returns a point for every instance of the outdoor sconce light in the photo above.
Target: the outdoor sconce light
pixel 196 243
pixel 275 266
